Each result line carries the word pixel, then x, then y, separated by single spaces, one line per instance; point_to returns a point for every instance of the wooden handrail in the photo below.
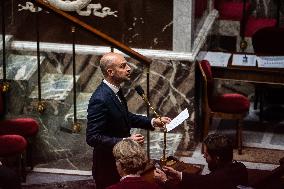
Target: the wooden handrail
pixel 107 39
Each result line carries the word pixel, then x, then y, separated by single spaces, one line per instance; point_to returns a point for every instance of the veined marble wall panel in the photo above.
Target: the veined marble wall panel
pixel 265 8
pixel 201 10
pixel 171 91
pixel 183 25
pixel 140 23
pixel 21 72
pixel 189 17
pixel 268 8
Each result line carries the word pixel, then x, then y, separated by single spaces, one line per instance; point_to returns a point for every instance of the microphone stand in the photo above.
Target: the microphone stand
pixel 163 159
pixel 243 43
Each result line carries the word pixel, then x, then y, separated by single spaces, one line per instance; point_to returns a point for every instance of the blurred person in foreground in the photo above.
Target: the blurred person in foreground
pixel 225 173
pixel 131 161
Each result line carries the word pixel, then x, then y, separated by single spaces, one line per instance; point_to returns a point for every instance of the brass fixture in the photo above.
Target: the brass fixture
pixel 41 107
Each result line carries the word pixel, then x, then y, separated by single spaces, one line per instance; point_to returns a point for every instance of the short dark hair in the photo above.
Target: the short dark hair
pixel 220 146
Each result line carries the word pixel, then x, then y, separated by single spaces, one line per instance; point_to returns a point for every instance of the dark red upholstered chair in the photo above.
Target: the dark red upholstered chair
pixel 233 12
pixel 255 24
pixel 225 106
pixel 16 135
pixel 26 127
pixel 267 41
pixel 12 145
pixel 231 9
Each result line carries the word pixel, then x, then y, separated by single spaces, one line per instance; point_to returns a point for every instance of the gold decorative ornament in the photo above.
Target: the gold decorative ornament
pixel 148 69
pixel 76 128
pixel 243 44
pixel 5 87
pixel 69 5
pixel 163 161
pixel 41 106
pixel 73 29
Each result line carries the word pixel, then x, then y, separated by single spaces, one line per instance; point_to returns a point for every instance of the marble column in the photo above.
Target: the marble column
pixel 183 23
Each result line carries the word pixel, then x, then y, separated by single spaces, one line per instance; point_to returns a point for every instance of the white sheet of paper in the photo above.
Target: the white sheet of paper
pixel 270 61
pixel 238 60
pixel 218 59
pixel 177 120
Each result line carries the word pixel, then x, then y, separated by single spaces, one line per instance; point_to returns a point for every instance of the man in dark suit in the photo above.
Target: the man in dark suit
pixel 225 173
pixel 109 120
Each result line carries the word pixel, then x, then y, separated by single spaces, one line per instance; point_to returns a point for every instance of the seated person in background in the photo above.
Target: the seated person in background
pixel 131 160
pixel 225 172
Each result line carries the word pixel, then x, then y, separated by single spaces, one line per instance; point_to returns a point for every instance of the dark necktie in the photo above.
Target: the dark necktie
pixel 122 98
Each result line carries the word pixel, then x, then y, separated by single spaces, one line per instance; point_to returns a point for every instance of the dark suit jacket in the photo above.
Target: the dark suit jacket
pixel 227 177
pixel 109 122
pixel 134 183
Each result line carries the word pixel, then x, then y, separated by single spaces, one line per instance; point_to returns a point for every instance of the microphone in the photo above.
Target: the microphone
pixel 140 91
